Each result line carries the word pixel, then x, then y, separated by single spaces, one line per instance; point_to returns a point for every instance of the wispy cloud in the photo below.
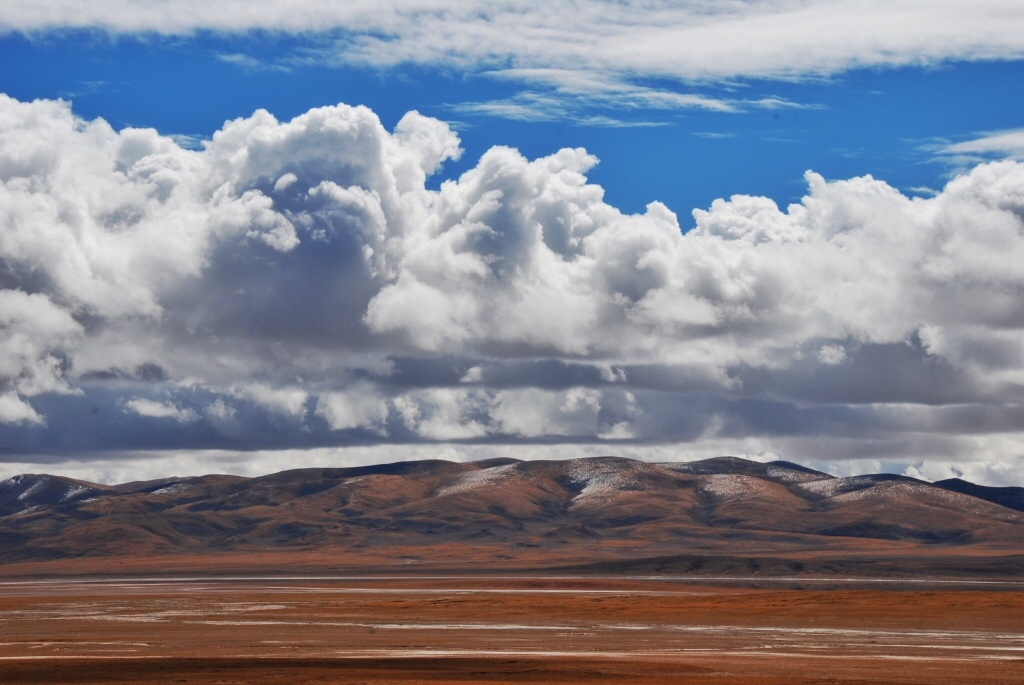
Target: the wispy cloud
pixel 611 90
pixel 533 107
pixel 601 99
pixel 251 63
pixel 611 122
pixel 961 156
pixel 85 88
pixel 713 135
pixel 991 145
pixel 775 102
pixel 188 141
pixel 689 39
pixel 593 54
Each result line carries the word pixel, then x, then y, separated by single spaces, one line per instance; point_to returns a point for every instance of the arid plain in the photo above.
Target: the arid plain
pixel 603 570
pixel 503 630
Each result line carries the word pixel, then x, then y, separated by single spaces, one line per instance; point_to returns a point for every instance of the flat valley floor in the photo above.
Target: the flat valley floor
pixel 480 629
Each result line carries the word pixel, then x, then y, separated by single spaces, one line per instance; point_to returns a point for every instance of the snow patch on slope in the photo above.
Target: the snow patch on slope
pixel 733 486
pixel 474 480
pixel 788 475
pixel 601 481
pixel 11 482
pixel 174 488
pixel 73 492
pixel 835 486
pixel 35 487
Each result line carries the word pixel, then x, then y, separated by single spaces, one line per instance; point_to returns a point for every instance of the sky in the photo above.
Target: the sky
pixel 241 237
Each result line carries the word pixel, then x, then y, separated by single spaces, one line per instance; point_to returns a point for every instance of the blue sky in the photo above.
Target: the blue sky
pixel 888 122
pixel 189 285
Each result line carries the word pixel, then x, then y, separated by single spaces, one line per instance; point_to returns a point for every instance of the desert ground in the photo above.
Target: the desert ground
pixel 609 570
pixel 509 629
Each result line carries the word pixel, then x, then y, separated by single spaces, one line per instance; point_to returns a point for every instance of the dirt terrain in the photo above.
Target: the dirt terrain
pixel 602 515
pixel 608 570
pixel 474 629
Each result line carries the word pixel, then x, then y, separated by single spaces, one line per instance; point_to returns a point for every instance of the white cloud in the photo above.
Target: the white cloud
pixel 356 408
pixel 568 95
pixel 994 462
pixel 1000 144
pixel 219 410
pixel 473 375
pixel 467 414
pixel 445 413
pixel 13 409
pixel 249 62
pixel 288 263
pixel 689 40
pixel 534 413
pixel 114 226
pixel 832 354
pixel 160 410
pixel 33 329
pixel 572 95
pixel 620 431
pixel 571 56
pixel 288 401
pixel 995 470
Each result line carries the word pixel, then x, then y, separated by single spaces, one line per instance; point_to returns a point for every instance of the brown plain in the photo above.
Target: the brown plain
pixel 600 570
pixel 478 629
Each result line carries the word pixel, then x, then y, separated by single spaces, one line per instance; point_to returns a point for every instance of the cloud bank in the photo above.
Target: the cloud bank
pixel 571 58
pixel 296 285
pixel 694 39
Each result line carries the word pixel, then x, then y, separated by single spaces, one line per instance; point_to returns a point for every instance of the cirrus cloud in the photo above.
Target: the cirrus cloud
pixel 688 40
pixel 577 58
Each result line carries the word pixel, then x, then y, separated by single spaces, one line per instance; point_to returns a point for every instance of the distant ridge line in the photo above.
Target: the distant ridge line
pixel 720 515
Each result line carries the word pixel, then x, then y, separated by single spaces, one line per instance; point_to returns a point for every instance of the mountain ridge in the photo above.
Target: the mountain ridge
pixel 600 512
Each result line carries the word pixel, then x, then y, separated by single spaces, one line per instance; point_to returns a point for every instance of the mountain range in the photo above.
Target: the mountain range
pixel 604 514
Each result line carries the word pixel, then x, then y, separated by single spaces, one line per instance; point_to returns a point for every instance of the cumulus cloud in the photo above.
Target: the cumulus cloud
pixel 33 330
pixel 288 401
pixel 353 409
pixel 297 284
pixel 13 409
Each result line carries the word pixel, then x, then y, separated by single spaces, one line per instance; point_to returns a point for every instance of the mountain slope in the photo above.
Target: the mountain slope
pixel 1010 497
pixel 513 514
